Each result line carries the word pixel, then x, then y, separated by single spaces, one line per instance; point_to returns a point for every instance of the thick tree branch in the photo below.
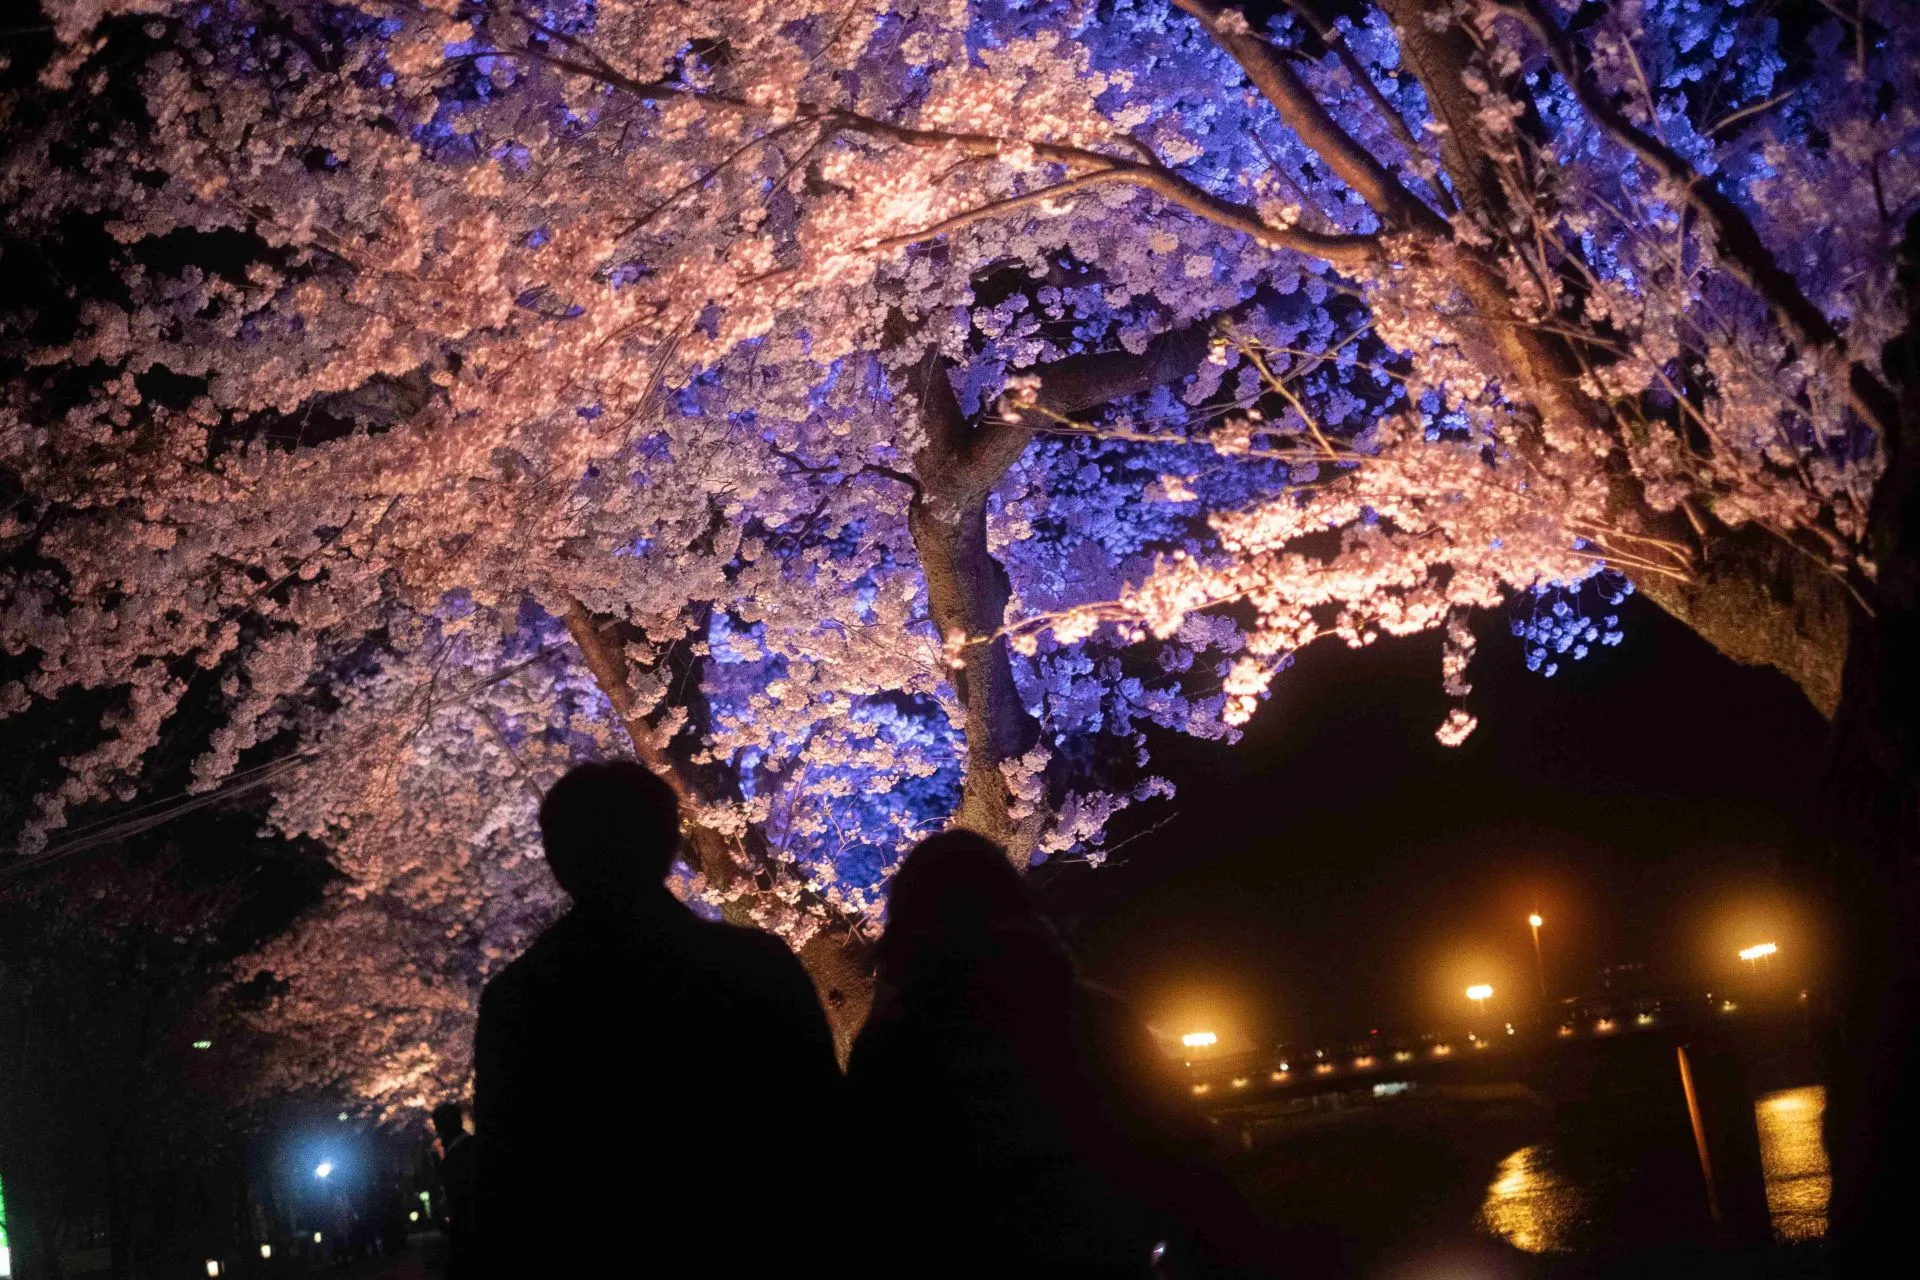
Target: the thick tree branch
pixel 1174 189
pixel 1093 168
pixel 1310 120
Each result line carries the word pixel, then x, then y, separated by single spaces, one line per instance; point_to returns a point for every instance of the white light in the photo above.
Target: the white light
pixel 316 1237
pixel 1480 991
pixel 414 1216
pixel 343 1115
pixel 1755 953
pixel 6 1260
pixel 266 1251
pixel 323 1169
pixel 213 1267
pixel 1199 1039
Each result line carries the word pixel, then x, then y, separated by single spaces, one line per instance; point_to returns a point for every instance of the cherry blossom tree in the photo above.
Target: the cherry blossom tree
pixel 876 415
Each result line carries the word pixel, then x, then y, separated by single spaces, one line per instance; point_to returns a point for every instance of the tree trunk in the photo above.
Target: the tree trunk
pixel 967 588
pixel 1873 826
pixel 838 959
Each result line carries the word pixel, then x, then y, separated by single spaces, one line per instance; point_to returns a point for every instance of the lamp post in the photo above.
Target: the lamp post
pixel 1755 954
pixel 1480 993
pixel 1534 922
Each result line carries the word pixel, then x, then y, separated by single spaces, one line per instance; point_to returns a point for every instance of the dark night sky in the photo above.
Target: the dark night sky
pixel 1340 870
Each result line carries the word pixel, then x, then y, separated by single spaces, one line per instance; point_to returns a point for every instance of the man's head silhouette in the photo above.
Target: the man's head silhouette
pixel 610 831
pixel 449 1121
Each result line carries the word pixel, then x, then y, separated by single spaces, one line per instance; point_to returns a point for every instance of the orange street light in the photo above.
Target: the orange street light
pixel 1534 922
pixel 1199 1039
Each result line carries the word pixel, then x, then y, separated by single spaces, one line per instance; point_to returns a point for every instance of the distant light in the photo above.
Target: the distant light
pixel 1199 1039
pixel 1509 1028
pixel 1756 952
pixel 1279 1076
pixel 1728 1006
pixel 213 1266
pixel 1644 1019
pixel 1535 920
pixel 1286 1066
pixel 424 1197
pixel 1565 1029
pixel 1401 1055
pixel 1324 1068
pixel 1442 1050
pixel 414 1216
pixel 1480 991
pixel 203 1044
pixel 266 1251
pixel 1364 1061
pixel 1388 1088
pixel 324 1169
pixel 1605 1024
pixel 316 1237
pixel 1239 1082
pixel 1479 1044
pixel 342 1116
pixel 1200 1089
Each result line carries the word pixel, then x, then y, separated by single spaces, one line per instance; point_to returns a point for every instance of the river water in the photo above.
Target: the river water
pixel 1493 1182
pixel 1573 1197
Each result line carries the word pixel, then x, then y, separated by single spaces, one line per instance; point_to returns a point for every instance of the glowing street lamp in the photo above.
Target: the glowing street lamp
pixel 323 1170
pixel 1753 955
pixel 1480 993
pixel 266 1251
pixel 1534 922
pixel 1199 1039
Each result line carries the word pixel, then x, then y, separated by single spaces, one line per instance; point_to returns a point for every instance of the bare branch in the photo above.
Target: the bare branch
pixel 1742 249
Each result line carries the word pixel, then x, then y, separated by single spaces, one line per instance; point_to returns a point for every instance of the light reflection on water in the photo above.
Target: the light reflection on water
pixel 1795 1160
pixel 1536 1205
pixel 1531 1206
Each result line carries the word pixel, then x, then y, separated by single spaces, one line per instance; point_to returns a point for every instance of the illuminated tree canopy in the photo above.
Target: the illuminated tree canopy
pixel 877 415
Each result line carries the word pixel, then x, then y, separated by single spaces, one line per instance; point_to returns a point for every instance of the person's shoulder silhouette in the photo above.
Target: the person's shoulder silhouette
pixel 636 1042
pixel 990 1064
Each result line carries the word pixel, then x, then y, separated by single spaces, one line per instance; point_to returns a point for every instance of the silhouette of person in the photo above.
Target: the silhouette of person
pixel 648 1085
pixel 459 1179
pixel 1027 1123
